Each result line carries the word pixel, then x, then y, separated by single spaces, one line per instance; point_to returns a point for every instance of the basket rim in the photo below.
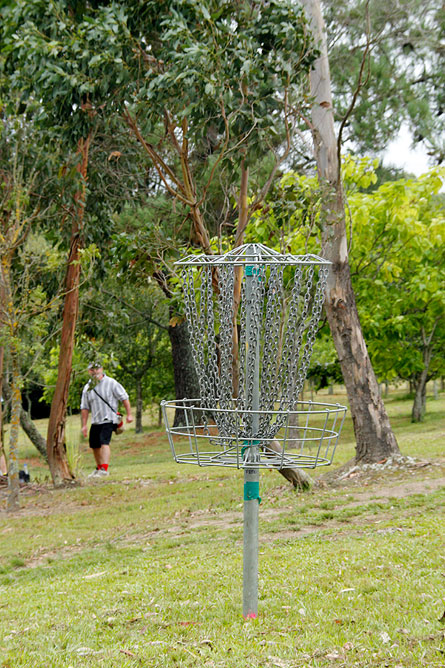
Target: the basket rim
pixel 251 254
pixel 197 405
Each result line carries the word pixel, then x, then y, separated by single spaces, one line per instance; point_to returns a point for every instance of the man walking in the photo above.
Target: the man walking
pixel 101 396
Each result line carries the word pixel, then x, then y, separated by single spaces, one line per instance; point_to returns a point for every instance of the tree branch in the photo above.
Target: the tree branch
pixel 360 84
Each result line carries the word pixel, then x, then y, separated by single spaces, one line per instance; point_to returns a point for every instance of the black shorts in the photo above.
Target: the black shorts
pixel 100 434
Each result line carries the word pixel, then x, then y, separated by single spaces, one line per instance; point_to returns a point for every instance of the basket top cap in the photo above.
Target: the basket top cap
pixel 251 254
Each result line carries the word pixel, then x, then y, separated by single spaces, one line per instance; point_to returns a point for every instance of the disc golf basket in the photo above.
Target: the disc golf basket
pixel 252 316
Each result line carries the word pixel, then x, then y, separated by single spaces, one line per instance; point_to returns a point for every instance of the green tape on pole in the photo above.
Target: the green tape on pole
pixel 247 445
pixel 252 491
pixel 251 270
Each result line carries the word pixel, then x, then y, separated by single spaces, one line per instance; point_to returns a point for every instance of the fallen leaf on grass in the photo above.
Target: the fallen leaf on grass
pixel 127 652
pixel 334 656
pixel 385 637
pixel 187 623
pixel 93 575
pixel 275 661
pixel 84 651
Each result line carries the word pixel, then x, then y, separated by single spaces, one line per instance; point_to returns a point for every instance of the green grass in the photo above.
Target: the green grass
pixel 145 568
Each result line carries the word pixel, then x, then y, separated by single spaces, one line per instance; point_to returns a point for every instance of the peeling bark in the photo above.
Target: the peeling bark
pixel 57 459
pixel 374 437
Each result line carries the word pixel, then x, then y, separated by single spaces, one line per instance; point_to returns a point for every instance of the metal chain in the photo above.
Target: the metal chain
pixel 226 343
pixel 311 333
pixel 281 334
pixel 270 382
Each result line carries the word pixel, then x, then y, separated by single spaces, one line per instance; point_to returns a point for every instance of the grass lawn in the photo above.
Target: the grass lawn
pixel 144 568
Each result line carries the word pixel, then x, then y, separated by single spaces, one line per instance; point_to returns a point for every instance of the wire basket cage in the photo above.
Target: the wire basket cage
pixel 307 436
pixel 252 316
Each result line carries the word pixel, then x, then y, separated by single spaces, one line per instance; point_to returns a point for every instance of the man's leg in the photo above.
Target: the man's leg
pixel 103 455
pixel 95 445
pixel 97 452
pixel 105 452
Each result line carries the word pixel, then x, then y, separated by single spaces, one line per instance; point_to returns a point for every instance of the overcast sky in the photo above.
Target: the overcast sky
pixel 400 153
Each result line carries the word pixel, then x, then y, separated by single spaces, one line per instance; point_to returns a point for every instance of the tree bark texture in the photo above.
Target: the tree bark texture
pixel 13 503
pixel 57 459
pixel 419 404
pixel 2 444
pixel 374 437
pixel 28 425
pixel 186 380
pixel 298 477
pixel 420 381
pixel 32 433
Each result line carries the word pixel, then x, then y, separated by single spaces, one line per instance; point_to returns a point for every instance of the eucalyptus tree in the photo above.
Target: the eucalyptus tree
pixel 24 302
pixel 375 439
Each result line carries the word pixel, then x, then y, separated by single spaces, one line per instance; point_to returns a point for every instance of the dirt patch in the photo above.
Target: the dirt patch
pixel 379 483
pixel 185 522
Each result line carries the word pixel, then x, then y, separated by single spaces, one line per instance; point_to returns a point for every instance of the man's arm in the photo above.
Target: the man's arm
pixel 84 416
pixel 128 410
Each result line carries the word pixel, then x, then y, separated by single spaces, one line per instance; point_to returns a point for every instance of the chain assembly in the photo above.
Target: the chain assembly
pixel 279 318
pixel 252 340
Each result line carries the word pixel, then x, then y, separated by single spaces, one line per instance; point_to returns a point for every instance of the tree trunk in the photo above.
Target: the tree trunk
pixel 243 219
pixel 33 434
pixel 186 380
pixel 3 465
pixel 419 405
pixel 57 459
pixel 28 425
pixel 139 405
pixel 420 381
pixel 298 477
pixel 13 503
pixel 374 437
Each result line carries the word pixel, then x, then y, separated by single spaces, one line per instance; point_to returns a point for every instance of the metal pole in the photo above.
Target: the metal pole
pixel 251 475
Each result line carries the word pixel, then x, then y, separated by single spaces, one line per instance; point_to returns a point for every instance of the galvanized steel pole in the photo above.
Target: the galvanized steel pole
pixel 251 475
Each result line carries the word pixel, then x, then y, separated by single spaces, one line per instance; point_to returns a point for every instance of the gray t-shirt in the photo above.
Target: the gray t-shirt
pixel 111 391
